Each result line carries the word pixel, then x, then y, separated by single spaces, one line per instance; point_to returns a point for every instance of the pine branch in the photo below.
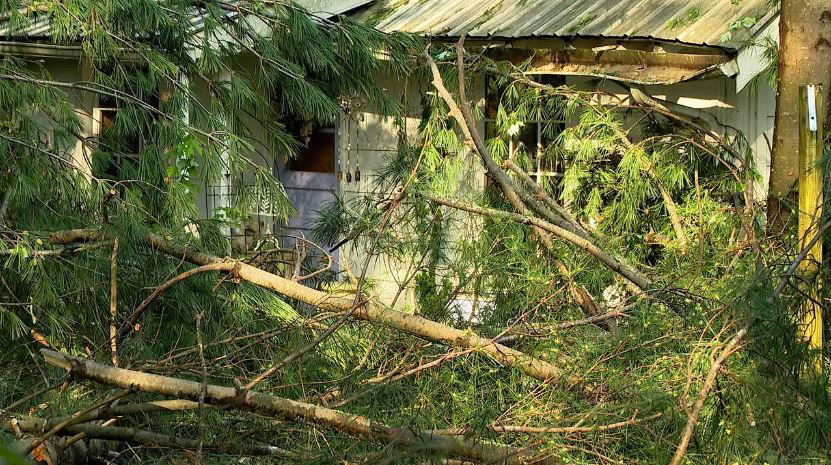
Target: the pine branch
pixel 549 331
pixel 709 381
pixel 547 200
pixel 75 418
pixel 466 121
pixel 296 411
pixel 373 313
pixel 634 276
pixel 114 303
pixel 521 429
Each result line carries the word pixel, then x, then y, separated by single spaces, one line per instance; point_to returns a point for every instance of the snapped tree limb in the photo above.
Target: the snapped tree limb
pixel 560 227
pixel 297 411
pixel 615 265
pixel 411 324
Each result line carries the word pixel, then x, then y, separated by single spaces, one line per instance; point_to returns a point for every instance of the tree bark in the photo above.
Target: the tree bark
pixel 293 410
pixel 804 58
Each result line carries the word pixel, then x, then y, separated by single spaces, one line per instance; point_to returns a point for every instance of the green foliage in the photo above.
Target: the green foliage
pixel 614 165
pixel 200 105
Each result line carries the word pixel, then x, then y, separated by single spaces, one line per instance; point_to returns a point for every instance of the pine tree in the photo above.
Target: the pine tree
pixel 598 298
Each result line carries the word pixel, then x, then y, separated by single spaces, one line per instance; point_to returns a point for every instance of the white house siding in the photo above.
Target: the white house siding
pixel 74 70
pixel 365 138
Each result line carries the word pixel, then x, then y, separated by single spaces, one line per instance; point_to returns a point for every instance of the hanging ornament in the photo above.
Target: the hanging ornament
pixel 358 160
pixel 340 168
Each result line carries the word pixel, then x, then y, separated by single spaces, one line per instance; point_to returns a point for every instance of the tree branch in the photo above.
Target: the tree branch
pixel 466 121
pixel 138 436
pixel 408 323
pixel 619 267
pixel 292 410
pixel 553 430
pixel 709 381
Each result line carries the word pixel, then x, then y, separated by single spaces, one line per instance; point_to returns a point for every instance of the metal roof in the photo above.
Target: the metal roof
pixel 696 22
pixel 40 26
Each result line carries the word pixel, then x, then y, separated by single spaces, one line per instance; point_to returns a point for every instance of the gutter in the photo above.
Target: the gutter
pixel 40 50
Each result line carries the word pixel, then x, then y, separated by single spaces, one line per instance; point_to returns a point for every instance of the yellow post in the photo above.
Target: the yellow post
pixel 810 213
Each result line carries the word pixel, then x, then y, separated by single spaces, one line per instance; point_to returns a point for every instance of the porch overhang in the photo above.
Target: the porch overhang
pixel 618 64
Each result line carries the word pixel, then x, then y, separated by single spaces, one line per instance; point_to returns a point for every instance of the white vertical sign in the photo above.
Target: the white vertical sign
pixel 812 108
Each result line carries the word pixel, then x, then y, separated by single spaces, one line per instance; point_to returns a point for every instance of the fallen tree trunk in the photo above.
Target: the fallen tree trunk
pixel 292 410
pixel 412 324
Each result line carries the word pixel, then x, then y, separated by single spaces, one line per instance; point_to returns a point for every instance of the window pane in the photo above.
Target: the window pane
pixel 551 79
pixel 527 139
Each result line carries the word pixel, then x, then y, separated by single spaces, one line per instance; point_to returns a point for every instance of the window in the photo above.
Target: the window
pixel 535 135
pixel 115 155
pixel 118 149
pixel 318 154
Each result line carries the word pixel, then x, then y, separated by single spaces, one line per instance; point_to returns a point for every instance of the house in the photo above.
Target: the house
pixel 700 56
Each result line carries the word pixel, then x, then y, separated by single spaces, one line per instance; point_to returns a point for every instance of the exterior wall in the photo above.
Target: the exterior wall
pixel 754 115
pixel 74 70
pixel 366 139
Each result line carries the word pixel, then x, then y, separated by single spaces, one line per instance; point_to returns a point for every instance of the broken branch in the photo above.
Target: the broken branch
pixel 293 410
pixel 408 323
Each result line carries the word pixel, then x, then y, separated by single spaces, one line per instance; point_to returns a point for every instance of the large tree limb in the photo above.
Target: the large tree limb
pixel 412 324
pixel 547 199
pixel 76 418
pixel 292 410
pixel 615 265
pixel 135 408
pixel 522 203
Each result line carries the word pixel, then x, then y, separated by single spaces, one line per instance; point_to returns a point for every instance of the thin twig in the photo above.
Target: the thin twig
pixel 551 430
pixel 204 390
pixel 127 327
pixel 709 381
pixel 31 396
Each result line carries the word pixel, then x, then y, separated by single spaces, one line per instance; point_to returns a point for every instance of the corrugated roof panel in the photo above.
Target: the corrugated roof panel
pixel 40 26
pixel 700 22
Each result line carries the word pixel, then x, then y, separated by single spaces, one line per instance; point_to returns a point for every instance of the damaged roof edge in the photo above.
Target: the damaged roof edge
pixel 632 66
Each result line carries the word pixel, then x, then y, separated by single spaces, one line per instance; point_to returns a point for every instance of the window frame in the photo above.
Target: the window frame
pixel 538 173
